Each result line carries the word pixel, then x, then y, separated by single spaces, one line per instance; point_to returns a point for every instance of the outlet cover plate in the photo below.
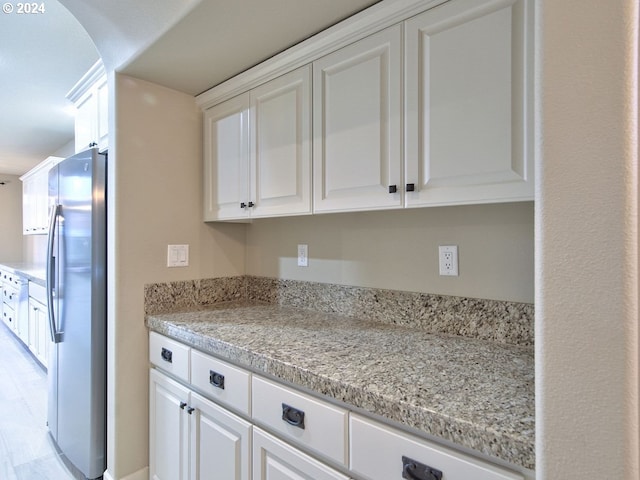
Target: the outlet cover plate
pixel 448 260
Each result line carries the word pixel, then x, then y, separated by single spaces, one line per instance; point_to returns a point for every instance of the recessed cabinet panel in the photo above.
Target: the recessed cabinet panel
pixel 275 460
pixel 85 122
pixel 226 159
pixel 357 131
pixel 168 429
pixel 102 94
pixel 281 145
pixel 467 99
pixel 220 442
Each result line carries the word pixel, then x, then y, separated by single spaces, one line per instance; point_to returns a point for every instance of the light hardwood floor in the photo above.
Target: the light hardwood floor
pixel 26 451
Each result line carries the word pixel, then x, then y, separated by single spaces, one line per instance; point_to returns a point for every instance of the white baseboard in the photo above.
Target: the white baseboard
pixel 142 474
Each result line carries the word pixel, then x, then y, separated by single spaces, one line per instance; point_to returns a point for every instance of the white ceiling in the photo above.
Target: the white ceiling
pixel 187 45
pixel 41 57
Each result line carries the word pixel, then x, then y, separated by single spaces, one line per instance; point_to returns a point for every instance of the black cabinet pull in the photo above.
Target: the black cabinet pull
pixel 182 405
pixel 251 204
pixel 243 205
pixel 293 416
pixel 216 379
pixel 412 470
pixel 393 188
pixel 190 410
pixel 410 187
pixel 167 355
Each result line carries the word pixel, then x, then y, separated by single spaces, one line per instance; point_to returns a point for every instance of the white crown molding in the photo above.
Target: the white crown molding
pixel 96 71
pixel 369 21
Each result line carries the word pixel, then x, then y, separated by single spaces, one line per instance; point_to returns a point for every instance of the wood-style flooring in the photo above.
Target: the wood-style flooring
pixel 26 450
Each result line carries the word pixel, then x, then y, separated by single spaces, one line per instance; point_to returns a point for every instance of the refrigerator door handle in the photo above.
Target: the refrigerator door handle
pixel 51 270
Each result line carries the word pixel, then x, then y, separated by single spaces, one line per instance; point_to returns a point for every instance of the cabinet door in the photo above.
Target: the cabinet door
pixel 168 429
pixel 33 328
pixel 102 114
pixel 29 188
pixel 226 160
pixel 357 125
pixel 281 145
pixel 275 460
pixel 468 103
pixel 41 338
pixel 85 121
pixel 220 442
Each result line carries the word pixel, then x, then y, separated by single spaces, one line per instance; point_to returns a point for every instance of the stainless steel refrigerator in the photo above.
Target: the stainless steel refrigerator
pixel 76 287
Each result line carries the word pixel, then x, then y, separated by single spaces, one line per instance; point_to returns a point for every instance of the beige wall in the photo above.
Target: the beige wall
pixel 399 249
pixel 11 219
pixel 154 200
pixel 587 241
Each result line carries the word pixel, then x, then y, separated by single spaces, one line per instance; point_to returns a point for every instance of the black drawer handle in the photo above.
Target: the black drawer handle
pixel 393 188
pixel 410 187
pixel 412 470
pixel 190 410
pixel 182 405
pixel 293 416
pixel 167 355
pixel 216 379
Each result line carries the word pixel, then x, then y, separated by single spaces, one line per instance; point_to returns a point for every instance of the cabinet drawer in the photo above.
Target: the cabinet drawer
pixel 10 297
pixel 169 355
pixel 8 315
pixel 220 381
pixel 377 451
pixel 301 418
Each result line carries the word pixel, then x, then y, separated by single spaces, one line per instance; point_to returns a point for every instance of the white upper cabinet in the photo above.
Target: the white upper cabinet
pixel 468 103
pixel 414 104
pixel 35 197
pixel 357 109
pixel 226 154
pixel 281 145
pixel 258 151
pixel 91 99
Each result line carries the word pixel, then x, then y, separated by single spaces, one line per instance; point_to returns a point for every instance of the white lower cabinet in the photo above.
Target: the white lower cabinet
pixel 276 460
pixel 39 337
pixel 379 452
pixel 168 429
pixel 277 432
pixel 193 438
pixel 220 442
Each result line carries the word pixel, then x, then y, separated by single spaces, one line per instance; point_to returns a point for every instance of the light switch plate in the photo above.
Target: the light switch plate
pixel 177 255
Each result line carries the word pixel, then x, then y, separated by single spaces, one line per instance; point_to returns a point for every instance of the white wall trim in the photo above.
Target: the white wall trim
pixel 142 474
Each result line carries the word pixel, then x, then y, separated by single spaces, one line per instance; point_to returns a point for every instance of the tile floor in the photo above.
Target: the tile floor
pixel 26 451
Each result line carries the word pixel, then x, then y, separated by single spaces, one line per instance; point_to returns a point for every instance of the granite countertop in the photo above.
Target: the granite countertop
pixel 33 272
pixel 471 392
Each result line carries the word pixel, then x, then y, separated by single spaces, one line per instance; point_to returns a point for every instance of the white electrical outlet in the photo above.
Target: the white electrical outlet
pixel 448 255
pixel 303 255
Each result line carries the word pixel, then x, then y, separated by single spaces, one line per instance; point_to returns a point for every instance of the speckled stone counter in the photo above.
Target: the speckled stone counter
pixel 475 393
pixel 32 272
